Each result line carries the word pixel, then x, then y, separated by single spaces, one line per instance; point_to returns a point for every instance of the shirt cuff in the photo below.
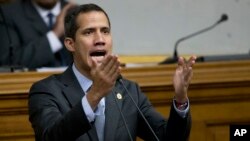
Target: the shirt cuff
pixel 54 42
pixel 182 113
pixel 87 109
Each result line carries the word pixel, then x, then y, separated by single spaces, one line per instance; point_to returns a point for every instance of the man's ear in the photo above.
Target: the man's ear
pixel 69 43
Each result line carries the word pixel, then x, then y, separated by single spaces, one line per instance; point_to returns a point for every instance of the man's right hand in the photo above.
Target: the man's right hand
pixel 104 77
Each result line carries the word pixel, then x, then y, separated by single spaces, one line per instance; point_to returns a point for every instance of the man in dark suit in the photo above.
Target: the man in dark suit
pixel 37 39
pixel 90 101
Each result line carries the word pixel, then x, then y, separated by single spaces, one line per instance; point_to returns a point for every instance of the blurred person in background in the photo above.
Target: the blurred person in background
pixel 36 32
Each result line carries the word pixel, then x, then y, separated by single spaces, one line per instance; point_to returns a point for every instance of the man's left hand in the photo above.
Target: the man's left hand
pixel 182 78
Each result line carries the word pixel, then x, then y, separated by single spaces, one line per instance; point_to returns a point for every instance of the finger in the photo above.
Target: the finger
pixel 66 8
pixel 110 64
pixel 116 74
pixel 93 68
pixel 114 71
pixel 188 75
pixel 191 61
pixel 105 61
pixel 71 1
pixel 182 64
pixel 93 64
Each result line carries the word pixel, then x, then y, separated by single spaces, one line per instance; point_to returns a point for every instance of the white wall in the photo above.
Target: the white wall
pixel 151 27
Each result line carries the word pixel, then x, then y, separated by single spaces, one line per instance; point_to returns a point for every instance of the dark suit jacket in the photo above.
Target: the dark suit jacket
pixel 28 34
pixel 56 113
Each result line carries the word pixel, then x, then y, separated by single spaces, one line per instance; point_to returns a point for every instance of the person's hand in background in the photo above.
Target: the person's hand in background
pixel 59 24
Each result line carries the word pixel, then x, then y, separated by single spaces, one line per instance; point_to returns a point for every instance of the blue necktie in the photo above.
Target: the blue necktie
pixel 50 26
pixel 50 23
pixel 99 117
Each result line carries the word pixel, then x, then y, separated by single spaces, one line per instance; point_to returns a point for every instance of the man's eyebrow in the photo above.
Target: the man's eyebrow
pixel 88 29
pixel 105 27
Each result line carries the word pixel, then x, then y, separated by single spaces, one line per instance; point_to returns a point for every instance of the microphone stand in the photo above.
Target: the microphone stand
pixel 119 79
pixel 11 67
pixel 123 118
pixel 174 59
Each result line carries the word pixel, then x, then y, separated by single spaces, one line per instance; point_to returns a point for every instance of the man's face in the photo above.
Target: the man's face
pixel 46 4
pixel 93 39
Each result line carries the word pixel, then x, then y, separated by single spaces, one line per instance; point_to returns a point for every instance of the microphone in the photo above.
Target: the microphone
pixel 119 79
pixel 174 59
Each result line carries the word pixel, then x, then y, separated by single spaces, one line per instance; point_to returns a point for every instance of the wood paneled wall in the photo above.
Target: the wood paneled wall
pixel 219 96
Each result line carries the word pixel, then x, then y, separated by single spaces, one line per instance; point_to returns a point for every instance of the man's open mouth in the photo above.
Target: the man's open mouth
pixel 98 55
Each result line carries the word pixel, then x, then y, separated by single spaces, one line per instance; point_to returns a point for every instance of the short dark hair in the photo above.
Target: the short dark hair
pixel 70 25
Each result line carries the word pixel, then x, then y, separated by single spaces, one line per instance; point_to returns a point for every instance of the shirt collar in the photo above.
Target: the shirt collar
pixel 85 84
pixel 44 12
pixel 83 80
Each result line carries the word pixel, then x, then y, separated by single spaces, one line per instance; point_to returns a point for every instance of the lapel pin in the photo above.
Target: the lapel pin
pixel 119 96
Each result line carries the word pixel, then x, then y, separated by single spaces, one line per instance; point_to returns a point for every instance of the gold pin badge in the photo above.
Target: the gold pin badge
pixel 119 96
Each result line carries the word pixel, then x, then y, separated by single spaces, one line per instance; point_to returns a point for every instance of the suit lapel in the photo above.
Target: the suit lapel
pixel 72 90
pixel 74 93
pixel 93 134
pixel 36 20
pixel 112 115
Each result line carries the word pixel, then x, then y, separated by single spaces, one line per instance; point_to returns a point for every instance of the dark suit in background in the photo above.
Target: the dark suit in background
pixel 28 35
pixel 55 106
